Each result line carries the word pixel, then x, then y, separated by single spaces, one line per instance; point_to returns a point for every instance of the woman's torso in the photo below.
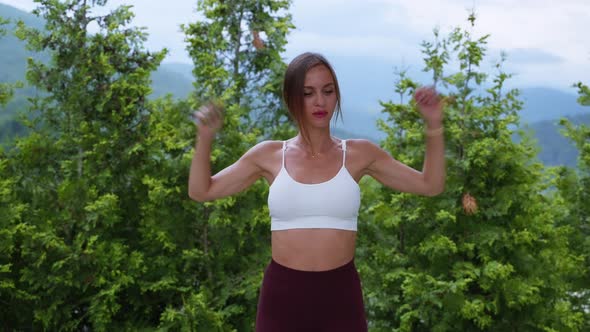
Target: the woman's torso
pixel 313 249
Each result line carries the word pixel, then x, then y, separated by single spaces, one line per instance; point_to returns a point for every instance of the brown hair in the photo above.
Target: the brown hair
pixel 294 82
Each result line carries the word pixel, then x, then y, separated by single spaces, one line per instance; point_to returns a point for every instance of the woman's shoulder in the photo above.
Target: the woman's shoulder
pixel 264 149
pixel 267 145
pixel 360 144
pixel 363 149
pixel 265 154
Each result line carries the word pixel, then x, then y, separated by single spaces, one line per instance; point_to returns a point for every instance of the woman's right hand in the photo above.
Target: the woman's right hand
pixel 208 119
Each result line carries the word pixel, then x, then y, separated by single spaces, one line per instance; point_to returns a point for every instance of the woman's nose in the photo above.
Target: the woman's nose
pixel 320 99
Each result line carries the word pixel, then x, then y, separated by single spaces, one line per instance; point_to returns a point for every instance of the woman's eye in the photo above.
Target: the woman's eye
pixel 328 92
pixel 307 93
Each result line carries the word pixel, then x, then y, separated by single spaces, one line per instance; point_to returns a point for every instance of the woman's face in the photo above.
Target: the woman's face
pixel 319 95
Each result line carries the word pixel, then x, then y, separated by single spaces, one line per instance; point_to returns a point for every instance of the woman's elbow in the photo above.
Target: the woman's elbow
pixel 432 190
pixel 434 193
pixel 435 190
pixel 198 197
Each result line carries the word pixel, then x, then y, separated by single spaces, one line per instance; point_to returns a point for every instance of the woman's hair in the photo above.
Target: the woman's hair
pixel 294 83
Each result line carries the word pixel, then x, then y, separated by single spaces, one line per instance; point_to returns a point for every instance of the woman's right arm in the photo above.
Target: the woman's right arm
pixel 233 179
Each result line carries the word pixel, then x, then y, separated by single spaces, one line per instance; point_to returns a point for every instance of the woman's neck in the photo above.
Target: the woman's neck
pixel 319 142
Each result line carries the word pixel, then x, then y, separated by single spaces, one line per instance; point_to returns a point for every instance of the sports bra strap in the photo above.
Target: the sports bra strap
pixel 284 148
pixel 343 152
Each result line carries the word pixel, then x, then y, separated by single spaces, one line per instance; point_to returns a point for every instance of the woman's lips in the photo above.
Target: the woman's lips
pixel 319 115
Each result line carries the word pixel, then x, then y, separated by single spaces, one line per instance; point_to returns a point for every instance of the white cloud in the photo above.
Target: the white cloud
pixel 354 45
pixel 26 5
pixel 163 20
pixel 556 29
pixel 394 29
pixel 555 26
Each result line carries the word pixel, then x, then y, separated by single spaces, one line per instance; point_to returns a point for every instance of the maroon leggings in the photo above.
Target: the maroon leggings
pixel 306 301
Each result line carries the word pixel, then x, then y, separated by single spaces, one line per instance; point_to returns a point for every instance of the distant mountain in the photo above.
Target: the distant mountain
pixel 556 149
pixel 13 60
pixel 168 80
pixel 13 54
pixel 185 69
pixel 543 104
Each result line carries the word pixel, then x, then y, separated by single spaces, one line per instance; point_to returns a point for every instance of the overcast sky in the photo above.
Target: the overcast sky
pixel 547 41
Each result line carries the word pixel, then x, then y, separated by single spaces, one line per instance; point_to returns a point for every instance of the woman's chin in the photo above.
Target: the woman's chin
pixel 319 124
pixel 319 121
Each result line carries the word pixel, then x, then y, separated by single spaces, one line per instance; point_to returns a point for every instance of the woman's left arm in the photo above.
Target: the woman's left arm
pixel 398 176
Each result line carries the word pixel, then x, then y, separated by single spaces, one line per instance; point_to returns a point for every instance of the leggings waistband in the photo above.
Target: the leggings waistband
pixel 278 268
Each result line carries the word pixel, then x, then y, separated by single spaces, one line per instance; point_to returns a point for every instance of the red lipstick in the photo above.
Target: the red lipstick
pixel 320 114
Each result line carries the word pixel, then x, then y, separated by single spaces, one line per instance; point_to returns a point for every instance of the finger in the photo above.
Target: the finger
pixel 202 118
pixel 207 111
pixel 193 117
pixel 424 93
pixel 418 95
pixel 203 109
pixel 430 99
pixel 422 99
pixel 429 94
pixel 215 113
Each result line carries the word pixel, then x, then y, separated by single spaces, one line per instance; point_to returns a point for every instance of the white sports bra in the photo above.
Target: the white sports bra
pixel 330 204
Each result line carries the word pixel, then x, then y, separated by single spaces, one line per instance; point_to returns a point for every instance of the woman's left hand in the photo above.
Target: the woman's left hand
pixel 430 105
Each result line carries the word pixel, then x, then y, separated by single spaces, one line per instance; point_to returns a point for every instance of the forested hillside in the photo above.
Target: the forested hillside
pixel 97 232
pixel 555 148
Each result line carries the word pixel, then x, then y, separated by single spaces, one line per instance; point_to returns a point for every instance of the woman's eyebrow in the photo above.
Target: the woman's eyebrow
pixel 312 87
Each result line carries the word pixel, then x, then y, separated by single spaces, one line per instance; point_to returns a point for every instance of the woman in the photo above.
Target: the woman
pixel 311 283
